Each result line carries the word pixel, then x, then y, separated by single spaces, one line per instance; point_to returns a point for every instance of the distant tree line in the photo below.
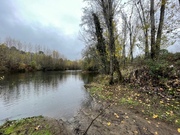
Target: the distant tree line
pixel 16 56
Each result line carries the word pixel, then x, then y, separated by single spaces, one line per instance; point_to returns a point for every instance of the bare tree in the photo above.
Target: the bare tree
pixel 131 24
pixel 144 22
pixel 160 28
pixel 108 9
pixel 155 44
pixel 108 13
pixel 130 27
pixel 124 30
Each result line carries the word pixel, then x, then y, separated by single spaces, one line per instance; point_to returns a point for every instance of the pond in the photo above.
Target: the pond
pixel 57 94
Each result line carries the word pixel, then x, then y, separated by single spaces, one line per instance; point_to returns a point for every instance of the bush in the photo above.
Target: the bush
pixel 22 67
pixel 159 69
pixel 33 64
pixel 163 51
pixel 3 69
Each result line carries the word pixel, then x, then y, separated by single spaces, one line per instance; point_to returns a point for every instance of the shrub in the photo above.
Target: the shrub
pixel 159 68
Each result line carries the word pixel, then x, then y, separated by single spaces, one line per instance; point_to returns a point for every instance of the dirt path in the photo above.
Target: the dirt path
pixel 116 120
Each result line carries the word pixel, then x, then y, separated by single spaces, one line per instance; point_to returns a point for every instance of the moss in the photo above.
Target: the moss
pixel 9 130
pixel 33 126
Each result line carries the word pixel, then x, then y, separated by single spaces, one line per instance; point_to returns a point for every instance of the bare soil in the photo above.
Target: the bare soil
pixel 95 118
pixel 108 119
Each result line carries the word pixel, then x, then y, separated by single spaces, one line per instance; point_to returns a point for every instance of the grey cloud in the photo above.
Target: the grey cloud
pixel 35 33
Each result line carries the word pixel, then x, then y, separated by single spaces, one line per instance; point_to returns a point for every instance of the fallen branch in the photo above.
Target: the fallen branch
pixel 85 133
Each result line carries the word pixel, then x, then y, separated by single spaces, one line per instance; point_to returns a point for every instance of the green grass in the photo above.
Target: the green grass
pixel 128 101
pixel 25 126
pixel 150 104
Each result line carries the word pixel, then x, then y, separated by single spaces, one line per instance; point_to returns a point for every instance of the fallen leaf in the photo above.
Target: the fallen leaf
pixel 127 117
pixel 109 123
pixel 155 116
pixel 156 133
pixel 171 113
pixel 115 114
pixel 178 130
pixel 161 102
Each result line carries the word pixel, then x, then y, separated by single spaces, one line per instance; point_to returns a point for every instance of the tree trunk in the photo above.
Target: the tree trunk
pixel 146 45
pixel 124 44
pixel 145 31
pixel 159 33
pixel 116 65
pixel 131 46
pixel 145 28
pixel 101 48
pixel 107 7
pixel 153 46
pixel 112 50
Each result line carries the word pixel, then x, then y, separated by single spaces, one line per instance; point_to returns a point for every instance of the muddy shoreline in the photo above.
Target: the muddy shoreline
pixel 102 118
pixel 97 117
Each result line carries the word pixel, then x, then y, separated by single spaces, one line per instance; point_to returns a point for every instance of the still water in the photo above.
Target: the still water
pixel 52 94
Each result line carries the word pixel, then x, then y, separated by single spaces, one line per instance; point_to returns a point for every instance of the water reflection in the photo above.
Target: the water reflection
pixel 54 94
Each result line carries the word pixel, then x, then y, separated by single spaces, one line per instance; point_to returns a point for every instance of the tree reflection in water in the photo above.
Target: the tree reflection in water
pixel 54 94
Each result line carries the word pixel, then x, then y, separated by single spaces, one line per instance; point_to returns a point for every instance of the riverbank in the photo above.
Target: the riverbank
pixel 98 116
pixel 34 126
pixel 120 114
pixel 114 110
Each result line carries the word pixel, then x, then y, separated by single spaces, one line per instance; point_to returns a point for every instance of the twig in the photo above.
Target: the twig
pixel 85 133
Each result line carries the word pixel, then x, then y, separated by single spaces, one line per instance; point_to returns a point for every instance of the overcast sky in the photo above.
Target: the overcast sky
pixel 50 23
pixel 53 23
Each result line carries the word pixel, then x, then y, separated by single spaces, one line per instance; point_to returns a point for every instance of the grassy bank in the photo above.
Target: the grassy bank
pixel 33 126
pixel 148 104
